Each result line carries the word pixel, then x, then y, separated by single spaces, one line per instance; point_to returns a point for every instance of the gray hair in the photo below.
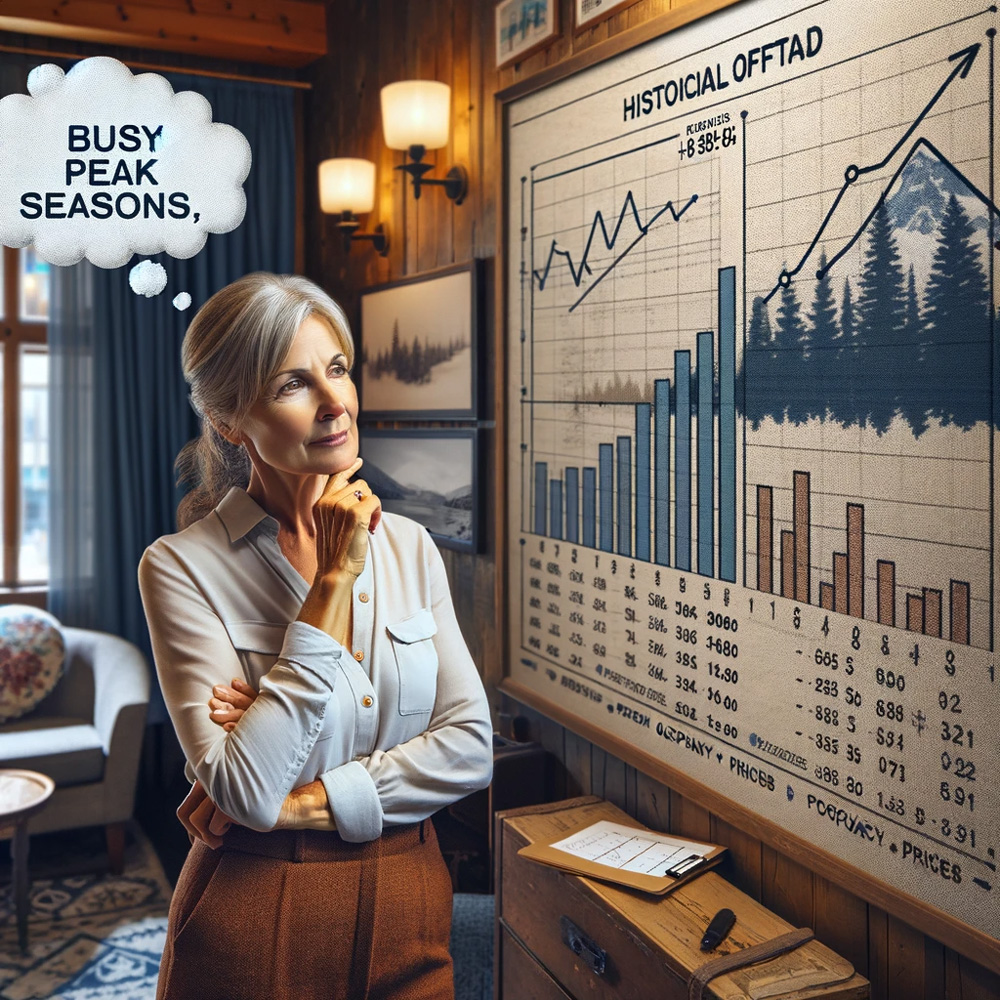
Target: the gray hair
pixel 233 347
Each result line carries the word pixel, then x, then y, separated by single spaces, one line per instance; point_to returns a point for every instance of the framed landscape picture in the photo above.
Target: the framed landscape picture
pixel 418 346
pixel 431 476
pixel 589 12
pixel 523 27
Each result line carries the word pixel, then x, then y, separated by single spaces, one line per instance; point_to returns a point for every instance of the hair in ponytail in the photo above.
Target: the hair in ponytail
pixel 234 345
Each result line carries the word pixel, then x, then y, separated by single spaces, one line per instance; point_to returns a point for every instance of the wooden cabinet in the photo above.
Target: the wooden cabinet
pixel 561 936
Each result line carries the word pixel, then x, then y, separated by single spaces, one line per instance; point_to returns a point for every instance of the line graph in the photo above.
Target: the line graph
pixel 963 60
pixel 577 273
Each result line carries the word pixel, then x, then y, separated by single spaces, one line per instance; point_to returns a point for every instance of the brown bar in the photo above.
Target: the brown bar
pixel 826 595
pixel 932 612
pixel 800 520
pixel 885 592
pixel 840 582
pixel 788 564
pixel 765 539
pixel 960 612
pixel 856 560
pixel 915 612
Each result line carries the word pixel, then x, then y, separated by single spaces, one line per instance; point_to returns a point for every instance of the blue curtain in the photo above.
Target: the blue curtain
pixel 119 410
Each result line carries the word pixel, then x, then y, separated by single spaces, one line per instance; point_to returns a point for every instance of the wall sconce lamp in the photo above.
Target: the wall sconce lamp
pixel 415 116
pixel 347 189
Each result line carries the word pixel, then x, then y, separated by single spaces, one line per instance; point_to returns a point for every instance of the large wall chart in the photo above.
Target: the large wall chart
pixel 754 400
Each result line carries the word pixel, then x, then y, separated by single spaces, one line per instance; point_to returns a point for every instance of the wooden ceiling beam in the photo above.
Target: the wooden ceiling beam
pixel 276 32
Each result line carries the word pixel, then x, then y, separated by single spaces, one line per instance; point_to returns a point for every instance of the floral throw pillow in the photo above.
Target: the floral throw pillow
pixel 32 656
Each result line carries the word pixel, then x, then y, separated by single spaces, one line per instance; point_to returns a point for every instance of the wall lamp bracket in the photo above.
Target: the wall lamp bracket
pixel 348 224
pixel 455 182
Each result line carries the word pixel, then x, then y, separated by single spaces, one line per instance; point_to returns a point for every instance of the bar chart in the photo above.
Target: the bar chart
pixel 666 492
pixel 894 606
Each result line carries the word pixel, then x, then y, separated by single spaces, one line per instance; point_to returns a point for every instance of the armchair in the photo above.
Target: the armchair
pixel 87 736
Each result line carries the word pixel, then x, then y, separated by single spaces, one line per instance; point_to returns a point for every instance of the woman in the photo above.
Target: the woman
pixel 311 663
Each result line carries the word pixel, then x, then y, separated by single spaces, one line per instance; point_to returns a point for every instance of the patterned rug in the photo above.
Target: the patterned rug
pixel 96 936
pixel 91 936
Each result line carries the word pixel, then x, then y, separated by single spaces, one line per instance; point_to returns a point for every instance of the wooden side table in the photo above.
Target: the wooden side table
pixel 22 794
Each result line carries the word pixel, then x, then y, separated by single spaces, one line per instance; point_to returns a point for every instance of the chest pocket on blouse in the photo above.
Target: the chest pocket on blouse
pixel 256 637
pixel 416 661
pixel 258 644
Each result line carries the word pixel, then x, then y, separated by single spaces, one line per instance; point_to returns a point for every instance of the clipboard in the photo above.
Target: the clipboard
pixel 699 857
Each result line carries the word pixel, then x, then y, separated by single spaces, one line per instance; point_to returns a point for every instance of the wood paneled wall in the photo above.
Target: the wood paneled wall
pixel 374 42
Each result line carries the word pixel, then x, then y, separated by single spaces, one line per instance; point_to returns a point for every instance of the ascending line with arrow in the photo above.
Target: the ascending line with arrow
pixel 963 63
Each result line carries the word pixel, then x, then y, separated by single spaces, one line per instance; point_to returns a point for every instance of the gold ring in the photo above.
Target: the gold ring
pixel 359 494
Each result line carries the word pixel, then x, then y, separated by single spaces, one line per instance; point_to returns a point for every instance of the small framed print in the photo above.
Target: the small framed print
pixel 431 476
pixel 523 27
pixel 418 346
pixel 589 12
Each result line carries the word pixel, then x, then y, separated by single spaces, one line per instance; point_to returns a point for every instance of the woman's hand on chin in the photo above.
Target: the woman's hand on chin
pixel 344 516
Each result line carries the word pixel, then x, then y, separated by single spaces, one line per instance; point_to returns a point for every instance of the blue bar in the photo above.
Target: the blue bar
pixel 661 405
pixel 555 508
pixel 572 479
pixel 541 489
pixel 727 423
pixel 605 461
pixel 590 506
pixel 643 499
pixel 706 455
pixel 625 496
pixel 682 458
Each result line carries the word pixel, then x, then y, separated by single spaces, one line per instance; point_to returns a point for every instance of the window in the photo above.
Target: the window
pixel 24 387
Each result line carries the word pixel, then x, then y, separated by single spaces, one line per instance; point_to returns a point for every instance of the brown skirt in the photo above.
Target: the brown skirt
pixel 302 914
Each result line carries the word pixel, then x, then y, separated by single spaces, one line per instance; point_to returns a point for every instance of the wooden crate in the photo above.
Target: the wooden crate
pixel 650 945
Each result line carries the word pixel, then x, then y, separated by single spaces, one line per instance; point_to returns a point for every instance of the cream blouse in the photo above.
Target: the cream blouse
pixel 395 727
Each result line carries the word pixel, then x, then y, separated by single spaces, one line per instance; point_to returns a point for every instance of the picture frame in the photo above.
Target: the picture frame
pixel 431 475
pixel 418 351
pixel 524 27
pixel 587 13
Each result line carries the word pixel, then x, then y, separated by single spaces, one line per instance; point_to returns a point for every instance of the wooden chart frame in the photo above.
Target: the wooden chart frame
pixel 940 925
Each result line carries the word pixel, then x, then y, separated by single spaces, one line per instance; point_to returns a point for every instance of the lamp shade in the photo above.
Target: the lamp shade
pixel 416 113
pixel 347 185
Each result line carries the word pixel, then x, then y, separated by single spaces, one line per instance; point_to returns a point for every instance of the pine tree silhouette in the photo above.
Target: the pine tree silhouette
pixel 957 320
pixel 791 342
pixel 882 315
pixel 848 316
pixel 417 370
pixel 825 333
pixel 908 382
pixel 755 381
pixel 395 350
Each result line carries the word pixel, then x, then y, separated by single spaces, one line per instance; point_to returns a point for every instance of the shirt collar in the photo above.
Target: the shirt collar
pixel 240 514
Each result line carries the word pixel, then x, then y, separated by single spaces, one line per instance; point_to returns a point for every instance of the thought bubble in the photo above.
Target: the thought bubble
pixel 102 164
pixel 147 278
pixel 182 300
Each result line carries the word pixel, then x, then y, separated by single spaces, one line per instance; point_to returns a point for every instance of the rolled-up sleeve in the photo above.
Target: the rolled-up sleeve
pixel 249 771
pixel 450 759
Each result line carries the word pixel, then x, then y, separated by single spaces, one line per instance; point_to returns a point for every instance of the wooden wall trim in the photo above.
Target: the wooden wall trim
pixel 942 926
pixel 280 32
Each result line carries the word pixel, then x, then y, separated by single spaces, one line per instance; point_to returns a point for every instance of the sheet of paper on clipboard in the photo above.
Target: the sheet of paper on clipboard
pixel 630 849
pixel 629 855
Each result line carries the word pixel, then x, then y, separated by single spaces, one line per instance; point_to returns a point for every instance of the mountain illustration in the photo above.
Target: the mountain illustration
pixel 925 186
pixel 906 332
